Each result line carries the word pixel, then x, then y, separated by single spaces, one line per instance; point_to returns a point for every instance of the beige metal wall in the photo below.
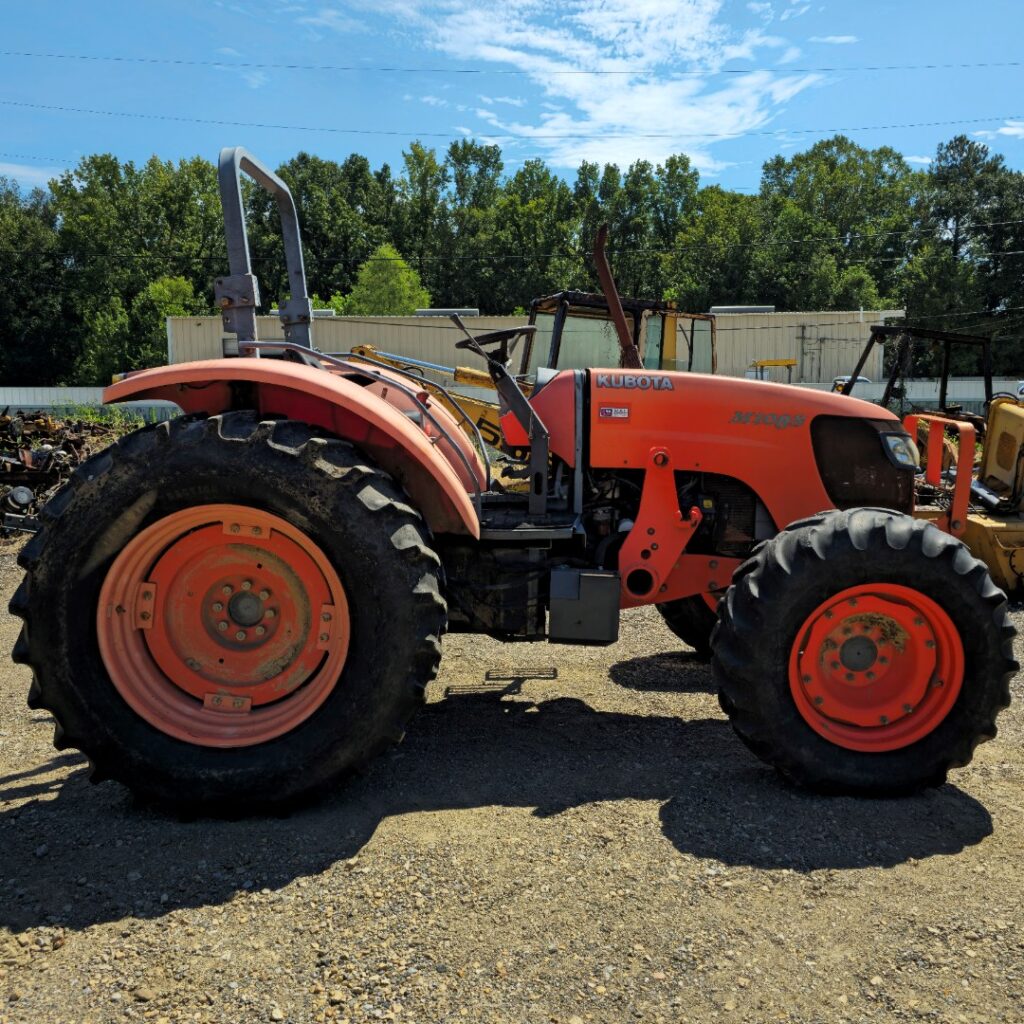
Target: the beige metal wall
pixel 824 345
pixel 429 338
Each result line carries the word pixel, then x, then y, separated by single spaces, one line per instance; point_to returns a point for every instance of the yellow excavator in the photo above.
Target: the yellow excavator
pixel 575 330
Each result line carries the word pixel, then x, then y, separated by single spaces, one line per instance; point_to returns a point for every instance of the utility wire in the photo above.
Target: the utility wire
pixel 501 132
pixel 29 156
pixel 444 70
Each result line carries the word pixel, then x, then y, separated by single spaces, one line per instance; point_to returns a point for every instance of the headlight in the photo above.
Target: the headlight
pixel 902 450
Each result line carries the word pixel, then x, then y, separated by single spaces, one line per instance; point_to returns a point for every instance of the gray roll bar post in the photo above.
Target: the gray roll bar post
pixel 239 294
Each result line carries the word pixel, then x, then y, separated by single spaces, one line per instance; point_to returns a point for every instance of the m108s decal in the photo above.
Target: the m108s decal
pixel 778 420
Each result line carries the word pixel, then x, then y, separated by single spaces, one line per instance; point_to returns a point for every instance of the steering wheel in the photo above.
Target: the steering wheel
pixel 504 340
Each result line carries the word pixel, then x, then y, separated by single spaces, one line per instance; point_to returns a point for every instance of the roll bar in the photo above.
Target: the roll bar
pixel 238 295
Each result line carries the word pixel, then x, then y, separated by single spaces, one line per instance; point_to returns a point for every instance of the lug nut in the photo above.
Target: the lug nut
pixel 218 606
pixel 235 527
pixel 849 677
pixel 227 589
pixel 247 584
pixel 264 594
pixel 260 630
pixel 326 616
pixel 222 626
pixel 240 635
pixel 323 638
pixel 270 613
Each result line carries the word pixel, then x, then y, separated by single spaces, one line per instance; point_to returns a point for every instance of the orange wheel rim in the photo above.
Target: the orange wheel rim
pixel 876 667
pixel 223 626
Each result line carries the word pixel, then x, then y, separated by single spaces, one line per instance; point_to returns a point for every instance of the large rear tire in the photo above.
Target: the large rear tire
pixel 226 614
pixel 864 652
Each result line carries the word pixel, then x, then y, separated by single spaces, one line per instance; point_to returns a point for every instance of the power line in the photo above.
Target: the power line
pixel 444 70
pixel 501 132
pixel 30 156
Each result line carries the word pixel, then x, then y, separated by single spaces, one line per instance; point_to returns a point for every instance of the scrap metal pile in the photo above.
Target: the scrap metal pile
pixel 37 455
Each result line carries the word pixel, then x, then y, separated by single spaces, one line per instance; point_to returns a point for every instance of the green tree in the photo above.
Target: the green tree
pixel 714 252
pixel 534 220
pixel 420 221
pixel 386 286
pixel 857 204
pixel 331 200
pixel 34 348
pixel 120 338
pixel 465 277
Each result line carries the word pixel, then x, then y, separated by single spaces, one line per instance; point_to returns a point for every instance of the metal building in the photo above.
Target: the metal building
pixel 821 346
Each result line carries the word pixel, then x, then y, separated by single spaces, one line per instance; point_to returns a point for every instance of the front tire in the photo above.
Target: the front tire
pixel 226 614
pixel 864 652
pixel 692 620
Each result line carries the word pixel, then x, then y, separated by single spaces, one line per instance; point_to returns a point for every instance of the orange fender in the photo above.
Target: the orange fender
pixel 332 401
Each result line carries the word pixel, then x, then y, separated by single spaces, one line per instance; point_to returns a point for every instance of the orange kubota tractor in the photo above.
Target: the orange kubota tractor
pixel 237 607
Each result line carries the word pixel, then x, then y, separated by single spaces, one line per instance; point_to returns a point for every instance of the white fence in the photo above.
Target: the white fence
pixel 63 399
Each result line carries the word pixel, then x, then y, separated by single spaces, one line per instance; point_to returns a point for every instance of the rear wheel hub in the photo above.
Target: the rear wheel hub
pixel 223 625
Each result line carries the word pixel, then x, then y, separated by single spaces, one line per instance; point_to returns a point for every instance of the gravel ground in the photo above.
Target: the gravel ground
pixel 597 847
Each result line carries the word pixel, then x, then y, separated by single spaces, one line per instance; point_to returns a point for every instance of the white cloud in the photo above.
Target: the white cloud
pixel 1013 129
pixel 648 44
pixel 333 18
pixel 29 177
pixel 790 55
pixel 794 12
pixel 835 40
pixel 433 101
pixel 922 160
pixel 764 10
pixel 512 101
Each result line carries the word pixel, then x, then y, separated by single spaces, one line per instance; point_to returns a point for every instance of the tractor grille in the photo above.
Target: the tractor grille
pixel 854 466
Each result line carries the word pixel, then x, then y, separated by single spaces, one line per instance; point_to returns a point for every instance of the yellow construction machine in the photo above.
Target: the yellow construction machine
pixel 987 511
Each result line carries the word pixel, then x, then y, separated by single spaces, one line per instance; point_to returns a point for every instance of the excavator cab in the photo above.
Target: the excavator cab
pixel 576 330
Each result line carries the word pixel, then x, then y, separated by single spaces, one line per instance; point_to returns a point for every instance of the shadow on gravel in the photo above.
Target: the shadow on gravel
pixel 89 854
pixel 678 672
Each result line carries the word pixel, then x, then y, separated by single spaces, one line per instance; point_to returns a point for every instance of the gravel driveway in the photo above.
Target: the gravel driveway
pixel 596 846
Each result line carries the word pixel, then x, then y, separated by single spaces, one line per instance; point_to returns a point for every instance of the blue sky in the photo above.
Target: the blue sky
pixel 527 80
